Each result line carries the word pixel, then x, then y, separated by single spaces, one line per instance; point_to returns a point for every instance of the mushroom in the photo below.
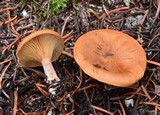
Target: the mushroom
pixel 41 48
pixel 111 57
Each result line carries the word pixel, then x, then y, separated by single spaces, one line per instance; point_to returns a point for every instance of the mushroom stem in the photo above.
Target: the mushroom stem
pixel 49 70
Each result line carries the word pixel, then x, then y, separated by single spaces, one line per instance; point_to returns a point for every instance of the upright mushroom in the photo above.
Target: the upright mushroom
pixel 41 48
pixel 111 57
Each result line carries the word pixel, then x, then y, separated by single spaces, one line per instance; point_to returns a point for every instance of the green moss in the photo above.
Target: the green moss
pixel 64 57
pixel 56 6
pixel 2 57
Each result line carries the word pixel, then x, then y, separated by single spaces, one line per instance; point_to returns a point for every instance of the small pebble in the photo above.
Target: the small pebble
pixel 24 14
pixel 129 102
pixel 52 91
pixel 127 2
pixel 50 113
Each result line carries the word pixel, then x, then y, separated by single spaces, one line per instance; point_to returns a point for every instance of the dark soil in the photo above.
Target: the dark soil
pixel 78 93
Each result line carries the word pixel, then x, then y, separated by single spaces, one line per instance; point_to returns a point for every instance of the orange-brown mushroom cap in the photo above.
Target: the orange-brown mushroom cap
pixel 111 57
pixel 38 45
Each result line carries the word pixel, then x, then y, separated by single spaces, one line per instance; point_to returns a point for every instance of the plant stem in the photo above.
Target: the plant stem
pixel 49 70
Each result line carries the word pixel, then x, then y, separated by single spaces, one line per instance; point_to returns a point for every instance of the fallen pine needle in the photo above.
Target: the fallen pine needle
pixel 68 54
pixel 153 62
pixel 93 12
pixel 70 113
pixel 80 80
pixel 118 9
pixel 67 35
pixel 151 103
pixel 5 61
pixel 66 40
pixel 123 111
pixel 9 21
pixel 3 73
pixel 87 87
pixel 39 86
pixel 102 110
pixel 10 45
pixel 143 19
pixel 64 25
pixel 8 8
pixel 145 92
pixel 15 102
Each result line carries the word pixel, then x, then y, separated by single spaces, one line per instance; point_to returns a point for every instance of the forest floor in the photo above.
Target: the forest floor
pixel 25 91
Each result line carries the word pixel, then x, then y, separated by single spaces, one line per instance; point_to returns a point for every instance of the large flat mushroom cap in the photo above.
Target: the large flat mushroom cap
pixel 38 45
pixel 110 57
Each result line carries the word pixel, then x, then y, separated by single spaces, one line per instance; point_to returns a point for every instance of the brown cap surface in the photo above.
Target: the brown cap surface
pixel 38 45
pixel 111 57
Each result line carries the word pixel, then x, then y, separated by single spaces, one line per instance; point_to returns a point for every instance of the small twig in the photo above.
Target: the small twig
pixel 15 102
